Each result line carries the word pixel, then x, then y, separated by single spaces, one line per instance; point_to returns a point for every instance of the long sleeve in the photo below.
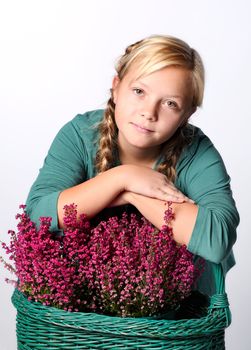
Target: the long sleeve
pixel 204 179
pixel 68 163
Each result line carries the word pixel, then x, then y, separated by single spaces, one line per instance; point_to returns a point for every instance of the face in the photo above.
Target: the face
pixel 150 109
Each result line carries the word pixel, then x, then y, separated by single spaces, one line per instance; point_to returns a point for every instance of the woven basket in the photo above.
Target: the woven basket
pixel 199 324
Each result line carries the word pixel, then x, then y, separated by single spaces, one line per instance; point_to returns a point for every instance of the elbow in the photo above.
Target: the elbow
pixel 44 206
pixel 227 236
pixel 214 234
pixel 221 243
pixel 31 212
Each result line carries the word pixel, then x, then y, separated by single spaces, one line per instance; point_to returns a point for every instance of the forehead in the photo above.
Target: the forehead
pixel 173 80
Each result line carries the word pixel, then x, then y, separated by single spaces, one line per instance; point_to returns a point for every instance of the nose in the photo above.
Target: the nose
pixel 149 111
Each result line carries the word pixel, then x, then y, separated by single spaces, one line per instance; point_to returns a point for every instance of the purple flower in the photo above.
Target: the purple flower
pixel 123 266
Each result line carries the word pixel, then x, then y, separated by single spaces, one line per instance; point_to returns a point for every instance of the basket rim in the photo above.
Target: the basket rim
pixel 216 320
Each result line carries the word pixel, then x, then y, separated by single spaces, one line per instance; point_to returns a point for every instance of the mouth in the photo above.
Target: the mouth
pixel 141 128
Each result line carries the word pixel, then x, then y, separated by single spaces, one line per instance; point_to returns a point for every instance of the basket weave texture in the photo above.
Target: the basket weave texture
pixel 196 326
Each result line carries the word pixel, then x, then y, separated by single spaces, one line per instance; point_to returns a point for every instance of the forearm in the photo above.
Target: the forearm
pixel 99 192
pixel 93 195
pixel 153 210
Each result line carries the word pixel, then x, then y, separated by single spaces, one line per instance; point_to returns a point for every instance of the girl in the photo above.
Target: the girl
pixel 142 151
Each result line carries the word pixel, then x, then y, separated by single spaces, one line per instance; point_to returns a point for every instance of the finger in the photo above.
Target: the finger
pixel 172 190
pixel 172 198
pixel 177 197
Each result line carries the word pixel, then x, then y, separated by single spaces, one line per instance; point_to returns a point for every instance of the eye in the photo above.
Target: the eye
pixel 138 91
pixel 170 104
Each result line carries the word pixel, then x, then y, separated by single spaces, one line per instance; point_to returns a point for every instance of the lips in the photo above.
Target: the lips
pixel 141 128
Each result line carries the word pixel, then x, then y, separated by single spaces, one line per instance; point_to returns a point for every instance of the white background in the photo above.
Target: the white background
pixel 56 60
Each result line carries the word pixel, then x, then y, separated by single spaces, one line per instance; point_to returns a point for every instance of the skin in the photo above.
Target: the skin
pixel 148 111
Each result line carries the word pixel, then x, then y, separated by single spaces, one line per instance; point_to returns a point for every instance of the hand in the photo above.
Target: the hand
pixel 151 183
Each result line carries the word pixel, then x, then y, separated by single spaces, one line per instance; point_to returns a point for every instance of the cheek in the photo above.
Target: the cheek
pixel 119 117
pixel 126 100
pixel 125 108
pixel 170 124
pixel 170 117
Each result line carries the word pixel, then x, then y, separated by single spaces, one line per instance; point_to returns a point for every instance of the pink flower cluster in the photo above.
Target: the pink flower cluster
pixel 123 266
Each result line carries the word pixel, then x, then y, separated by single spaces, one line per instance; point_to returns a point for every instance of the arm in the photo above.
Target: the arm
pixel 153 210
pixel 138 180
pixel 68 176
pixel 92 195
pixel 205 179
pixel 209 227
pixel 65 176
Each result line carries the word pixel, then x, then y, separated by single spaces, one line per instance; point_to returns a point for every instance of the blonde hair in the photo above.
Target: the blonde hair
pixel 150 55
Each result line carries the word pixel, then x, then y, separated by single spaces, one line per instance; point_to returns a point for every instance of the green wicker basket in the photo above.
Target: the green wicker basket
pixel 199 324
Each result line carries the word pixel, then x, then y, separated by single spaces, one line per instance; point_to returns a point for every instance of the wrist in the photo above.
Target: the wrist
pixel 122 176
pixel 118 174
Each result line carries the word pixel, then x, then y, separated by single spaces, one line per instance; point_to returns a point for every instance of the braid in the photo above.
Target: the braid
pixel 172 151
pixel 108 139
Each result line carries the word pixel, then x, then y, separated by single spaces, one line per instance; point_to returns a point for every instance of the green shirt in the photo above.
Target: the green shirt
pixel 201 175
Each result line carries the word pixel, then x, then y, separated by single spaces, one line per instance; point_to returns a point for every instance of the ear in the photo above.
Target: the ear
pixel 115 85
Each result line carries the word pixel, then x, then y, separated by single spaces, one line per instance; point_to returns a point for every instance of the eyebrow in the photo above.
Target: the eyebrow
pixel 173 96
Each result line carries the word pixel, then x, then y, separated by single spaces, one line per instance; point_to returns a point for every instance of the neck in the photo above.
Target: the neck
pixel 136 156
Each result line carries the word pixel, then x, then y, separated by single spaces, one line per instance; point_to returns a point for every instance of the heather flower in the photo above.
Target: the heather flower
pixel 123 266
